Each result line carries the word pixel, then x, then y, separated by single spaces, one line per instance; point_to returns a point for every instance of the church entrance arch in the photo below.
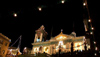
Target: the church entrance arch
pixel 40 49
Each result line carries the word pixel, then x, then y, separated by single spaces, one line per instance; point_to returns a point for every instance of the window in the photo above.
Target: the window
pixel 40 48
pixel 38 40
pixel 3 51
pixel 5 44
pixel 1 41
pixel 46 49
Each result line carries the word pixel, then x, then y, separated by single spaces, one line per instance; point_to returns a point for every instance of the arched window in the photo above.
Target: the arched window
pixel 40 49
pixel 3 51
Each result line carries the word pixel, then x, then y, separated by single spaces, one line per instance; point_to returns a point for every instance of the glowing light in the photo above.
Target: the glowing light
pixel 40 8
pixel 62 1
pixel 78 46
pixel 25 48
pixel 96 48
pixel 91 32
pixel 81 50
pixel 92 28
pixel 10 50
pixel 94 42
pixel 89 20
pixel 84 37
pixel 64 37
pixel 15 15
pixel 60 43
pixel 95 54
pixel 64 46
pixel 61 37
pixel 84 4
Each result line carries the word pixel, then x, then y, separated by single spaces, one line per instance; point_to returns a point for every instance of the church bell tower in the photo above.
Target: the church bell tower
pixel 40 35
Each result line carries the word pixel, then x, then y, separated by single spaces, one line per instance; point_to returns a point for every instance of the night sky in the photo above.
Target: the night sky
pixel 54 16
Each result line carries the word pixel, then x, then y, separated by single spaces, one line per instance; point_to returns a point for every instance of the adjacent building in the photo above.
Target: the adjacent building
pixel 60 42
pixel 4 44
pixel 13 51
pixel 27 50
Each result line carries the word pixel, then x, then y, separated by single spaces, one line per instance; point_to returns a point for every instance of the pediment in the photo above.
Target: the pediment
pixel 61 36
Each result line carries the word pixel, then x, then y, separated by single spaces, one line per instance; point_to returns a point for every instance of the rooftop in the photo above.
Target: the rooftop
pixel 5 37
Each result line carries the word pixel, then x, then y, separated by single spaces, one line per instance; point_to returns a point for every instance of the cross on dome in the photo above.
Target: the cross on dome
pixel 61 30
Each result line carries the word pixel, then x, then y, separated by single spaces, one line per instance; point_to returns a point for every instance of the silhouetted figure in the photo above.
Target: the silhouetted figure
pixel 85 46
pixel 72 48
pixel 59 52
pixel 59 49
pixel 77 51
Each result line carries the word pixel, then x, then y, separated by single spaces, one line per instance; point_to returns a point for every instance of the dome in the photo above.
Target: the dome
pixel 73 34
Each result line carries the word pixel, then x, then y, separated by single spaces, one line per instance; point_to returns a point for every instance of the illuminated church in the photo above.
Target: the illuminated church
pixel 61 41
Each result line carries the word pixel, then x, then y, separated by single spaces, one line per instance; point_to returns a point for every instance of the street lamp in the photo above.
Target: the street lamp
pixel 62 1
pixel 39 8
pixel 89 20
pixel 15 14
pixel 92 28
pixel 84 4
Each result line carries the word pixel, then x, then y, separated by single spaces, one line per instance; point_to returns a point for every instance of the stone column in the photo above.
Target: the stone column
pixel 50 49
pixel 32 52
pixel 35 38
pixel 41 37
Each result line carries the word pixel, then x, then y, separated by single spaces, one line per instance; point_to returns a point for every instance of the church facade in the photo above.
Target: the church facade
pixel 60 42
